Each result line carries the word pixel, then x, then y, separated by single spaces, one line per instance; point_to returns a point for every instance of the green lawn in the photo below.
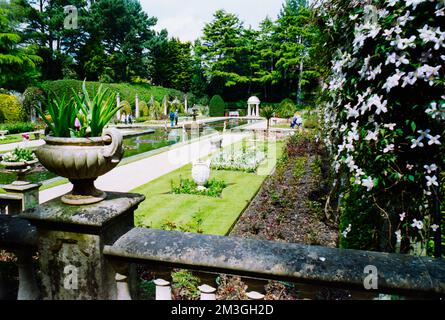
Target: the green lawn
pixel 217 214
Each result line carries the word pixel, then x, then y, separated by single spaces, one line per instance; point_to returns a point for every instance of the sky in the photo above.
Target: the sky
pixel 185 19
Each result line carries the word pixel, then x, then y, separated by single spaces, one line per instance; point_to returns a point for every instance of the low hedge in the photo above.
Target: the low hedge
pixel 18 127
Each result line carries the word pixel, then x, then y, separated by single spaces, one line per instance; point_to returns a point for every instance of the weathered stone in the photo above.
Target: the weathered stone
pixel 71 241
pixel 16 233
pixel 273 260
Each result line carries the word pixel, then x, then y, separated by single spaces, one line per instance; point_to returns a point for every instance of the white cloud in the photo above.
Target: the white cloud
pixel 186 18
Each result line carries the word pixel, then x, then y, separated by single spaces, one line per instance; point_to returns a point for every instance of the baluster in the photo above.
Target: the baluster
pixel 207 292
pixel 123 291
pixel 28 289
pixel 253 295
pixel 163 289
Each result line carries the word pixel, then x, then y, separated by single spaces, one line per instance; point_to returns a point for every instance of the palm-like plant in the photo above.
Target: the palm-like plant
pixel 98 110
pixel 268 112
pixel 61 115
pixel 81 116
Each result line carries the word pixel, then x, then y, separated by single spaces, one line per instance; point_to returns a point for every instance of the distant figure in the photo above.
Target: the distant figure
pixel 125 119
pixel 172 118
pixel 176 117
pixel 130 119
pixel 296 121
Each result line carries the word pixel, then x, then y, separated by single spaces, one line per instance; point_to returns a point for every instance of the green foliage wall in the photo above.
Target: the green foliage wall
pixel 11 110
pixel 216 106
pixel 127 91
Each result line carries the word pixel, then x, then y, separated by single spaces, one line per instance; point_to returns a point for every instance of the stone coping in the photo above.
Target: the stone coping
pixel 317 265
pixel 97 215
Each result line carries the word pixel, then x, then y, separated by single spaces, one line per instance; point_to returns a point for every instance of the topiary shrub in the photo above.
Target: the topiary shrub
pixel 11 109
pixel 156 110
pixel 125 107
pixel 143 109
pixel 216 106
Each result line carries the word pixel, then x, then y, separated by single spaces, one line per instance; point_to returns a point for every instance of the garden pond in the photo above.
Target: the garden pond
pixel 136 145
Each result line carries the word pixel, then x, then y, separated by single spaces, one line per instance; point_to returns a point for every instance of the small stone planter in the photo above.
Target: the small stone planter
pixel 21 168
pixel 82 161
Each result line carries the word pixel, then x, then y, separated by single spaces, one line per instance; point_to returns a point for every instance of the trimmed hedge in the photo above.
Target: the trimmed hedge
pixel 216 106
pixel 127 91
pixel 18 127
pixel 11 110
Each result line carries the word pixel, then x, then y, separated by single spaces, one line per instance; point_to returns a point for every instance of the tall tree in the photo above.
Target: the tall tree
pixel 18 63
pixel 222 51
pixel 124 31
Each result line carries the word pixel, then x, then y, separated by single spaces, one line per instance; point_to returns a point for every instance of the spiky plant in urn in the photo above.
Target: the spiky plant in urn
pixel 79 146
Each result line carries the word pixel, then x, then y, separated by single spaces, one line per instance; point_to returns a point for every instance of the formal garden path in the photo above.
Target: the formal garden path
pixel 128 177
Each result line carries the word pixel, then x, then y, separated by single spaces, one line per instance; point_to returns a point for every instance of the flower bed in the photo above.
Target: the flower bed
pixel 213 188
pixel 243 160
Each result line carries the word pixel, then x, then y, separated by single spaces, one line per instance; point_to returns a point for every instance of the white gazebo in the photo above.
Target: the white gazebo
pixel 253 107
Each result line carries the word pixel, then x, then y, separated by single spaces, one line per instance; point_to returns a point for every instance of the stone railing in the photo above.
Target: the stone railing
pixel 90 252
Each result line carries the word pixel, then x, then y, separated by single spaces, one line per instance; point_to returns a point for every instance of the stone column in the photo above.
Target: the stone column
pixel 71 241
pixel 248 110
pixel 118 104
pixel 137 107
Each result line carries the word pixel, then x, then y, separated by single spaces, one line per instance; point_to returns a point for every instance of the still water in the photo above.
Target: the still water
pixel 137 145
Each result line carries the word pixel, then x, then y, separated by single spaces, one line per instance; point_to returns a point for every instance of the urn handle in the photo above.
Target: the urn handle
pixel 114 150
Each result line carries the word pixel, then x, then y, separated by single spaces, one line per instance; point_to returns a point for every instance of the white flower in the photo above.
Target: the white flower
pixel 397 60
pixel 346 231
pixel 368 183
pixel 402 216
pixel 392 3
pixel 388 148
pixel 423 134
pixel 434 140
pixel 404 19
pixel 434 227
pixel 409 167
pixel 414 3
pixel 393 81
pixel 372 136
pixel 417 224
pixel 380 105
pixel 390 126
pixel 431 181
pixel 398 234
pixel 416 143
pixel 410 79
pixel 404 43
pixel 373 73
pixel 353 17
pixel 430 168
pixel 428 73
pixel 388 33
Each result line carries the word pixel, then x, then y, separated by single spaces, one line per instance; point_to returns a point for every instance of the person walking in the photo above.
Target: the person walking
pixel 172 118
pixel 176 117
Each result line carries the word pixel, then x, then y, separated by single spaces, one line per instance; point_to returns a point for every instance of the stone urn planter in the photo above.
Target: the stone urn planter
pixel 21 168
pixel 82 161
pixel 201 173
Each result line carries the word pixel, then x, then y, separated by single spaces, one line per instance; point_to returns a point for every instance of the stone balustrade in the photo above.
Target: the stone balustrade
pixel 90 252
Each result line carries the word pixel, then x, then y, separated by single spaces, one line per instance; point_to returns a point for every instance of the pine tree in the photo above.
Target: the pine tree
pixel 18 63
